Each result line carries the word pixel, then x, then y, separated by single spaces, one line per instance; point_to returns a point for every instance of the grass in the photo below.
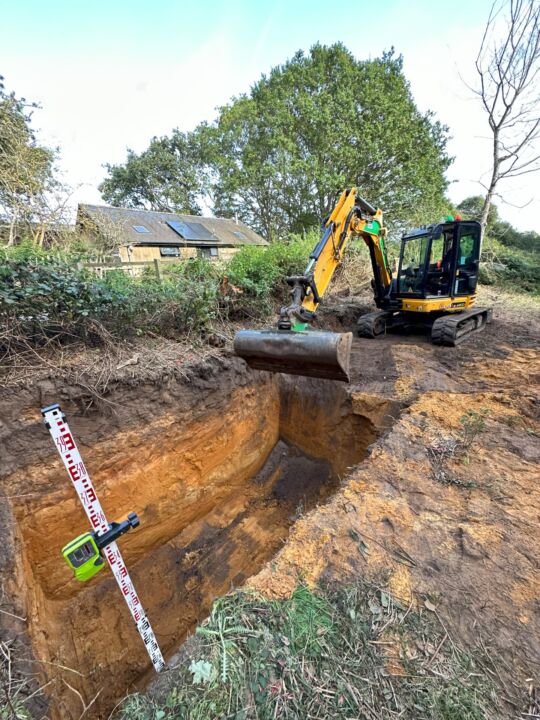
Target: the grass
pixel 501 297
pixel 337 652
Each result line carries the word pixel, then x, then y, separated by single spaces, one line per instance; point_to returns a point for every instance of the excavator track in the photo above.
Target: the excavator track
pixel 452 330
pixel 372 324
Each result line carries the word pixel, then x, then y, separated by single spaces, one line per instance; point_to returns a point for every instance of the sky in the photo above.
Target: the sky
pixel 111 75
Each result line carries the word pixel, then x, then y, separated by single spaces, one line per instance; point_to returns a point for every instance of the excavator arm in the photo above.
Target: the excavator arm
pixel 352 216
pixel 294 347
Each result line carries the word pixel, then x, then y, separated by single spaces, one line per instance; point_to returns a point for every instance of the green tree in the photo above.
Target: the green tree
pixel 498 229
pixel 471 209
pixel 165 177
pixel 279 156
pixel 26 167
pixel 319 123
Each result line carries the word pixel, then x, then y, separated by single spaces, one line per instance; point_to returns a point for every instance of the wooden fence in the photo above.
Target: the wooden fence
pixel 101 267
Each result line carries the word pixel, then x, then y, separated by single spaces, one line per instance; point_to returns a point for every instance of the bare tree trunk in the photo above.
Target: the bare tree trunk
pixel 11 239
pixel 492 183
pixel 40 235
pixel 488 198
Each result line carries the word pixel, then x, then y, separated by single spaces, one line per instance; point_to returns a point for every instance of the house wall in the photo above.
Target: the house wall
pixel 141 253
pixel 227 253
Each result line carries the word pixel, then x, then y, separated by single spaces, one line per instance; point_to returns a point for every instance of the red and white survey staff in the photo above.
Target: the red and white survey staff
pixel 63 439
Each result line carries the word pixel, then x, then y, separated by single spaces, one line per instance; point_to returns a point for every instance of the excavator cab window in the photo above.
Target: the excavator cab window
pixel 412 265
pixel 439 271
pixel 468 255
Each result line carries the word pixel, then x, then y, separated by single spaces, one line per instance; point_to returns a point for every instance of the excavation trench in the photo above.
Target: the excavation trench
pixel 217 470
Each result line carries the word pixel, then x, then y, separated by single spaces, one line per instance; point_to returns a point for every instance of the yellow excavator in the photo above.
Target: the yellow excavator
pixel 435 286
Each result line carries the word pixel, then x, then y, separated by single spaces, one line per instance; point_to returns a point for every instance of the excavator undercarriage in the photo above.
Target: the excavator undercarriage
pixel 450 330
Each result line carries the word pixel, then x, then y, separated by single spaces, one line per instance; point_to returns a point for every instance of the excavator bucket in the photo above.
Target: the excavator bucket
pixel 311 353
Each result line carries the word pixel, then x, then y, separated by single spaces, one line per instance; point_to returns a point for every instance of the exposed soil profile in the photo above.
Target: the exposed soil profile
pixel 217 472
pixel 243 478
pixel 461 532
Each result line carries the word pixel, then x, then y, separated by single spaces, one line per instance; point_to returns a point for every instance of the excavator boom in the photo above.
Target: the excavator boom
pixel 293 347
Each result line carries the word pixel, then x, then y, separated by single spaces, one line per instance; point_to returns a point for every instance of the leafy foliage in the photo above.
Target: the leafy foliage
pixel 260 272
pixel 26 167
pixel 510 258
pixel 44 297
pixel 179 304
pixel 472 424
pixel 280 155
pixel 165 177
pixel 65 254
pixel 37 293
pixel 500 230
pixel 317 124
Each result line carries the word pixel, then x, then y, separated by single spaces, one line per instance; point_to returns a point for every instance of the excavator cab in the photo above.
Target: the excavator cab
pixel 440 261
pixel 435 286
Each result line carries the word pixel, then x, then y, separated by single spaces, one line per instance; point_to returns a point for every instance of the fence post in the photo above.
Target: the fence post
pixel 158 269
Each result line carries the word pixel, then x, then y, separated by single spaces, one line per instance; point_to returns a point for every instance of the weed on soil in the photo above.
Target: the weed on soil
pixel 446 448
pixel 331 653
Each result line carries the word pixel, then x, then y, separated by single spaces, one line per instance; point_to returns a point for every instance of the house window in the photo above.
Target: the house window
pixel 169 251
pixel 240 235
pixel 207 252
pixel 141 229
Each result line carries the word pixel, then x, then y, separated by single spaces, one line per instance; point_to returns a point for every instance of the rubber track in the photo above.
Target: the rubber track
pixel 365 324
pixel 452 329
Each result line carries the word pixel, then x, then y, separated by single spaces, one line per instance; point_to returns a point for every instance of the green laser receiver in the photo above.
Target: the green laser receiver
pixel 83 554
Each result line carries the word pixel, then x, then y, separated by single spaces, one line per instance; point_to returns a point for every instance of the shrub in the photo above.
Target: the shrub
pixel 260 272
pixel 40 299
pixel 67 252
pixel 41 296
pixel 184 301
pixel 516 270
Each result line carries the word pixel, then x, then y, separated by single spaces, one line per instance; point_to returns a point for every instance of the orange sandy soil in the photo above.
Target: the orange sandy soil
pixel 472 552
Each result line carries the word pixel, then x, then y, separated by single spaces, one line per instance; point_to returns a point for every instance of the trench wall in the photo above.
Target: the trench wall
pixel 183 455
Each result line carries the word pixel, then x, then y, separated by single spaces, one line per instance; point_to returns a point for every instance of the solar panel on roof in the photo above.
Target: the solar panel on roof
pixel 190 231
pixel 141 229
